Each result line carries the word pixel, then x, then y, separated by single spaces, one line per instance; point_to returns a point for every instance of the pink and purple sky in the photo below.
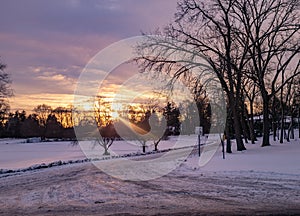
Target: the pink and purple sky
pixel 46 44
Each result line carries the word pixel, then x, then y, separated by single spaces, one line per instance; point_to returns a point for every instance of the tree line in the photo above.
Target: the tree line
pixel 59 123
pixel 44 122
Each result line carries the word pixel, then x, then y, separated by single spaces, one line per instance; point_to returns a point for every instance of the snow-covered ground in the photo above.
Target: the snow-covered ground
pixel 16 153
pixel 282 158
pixel 259 181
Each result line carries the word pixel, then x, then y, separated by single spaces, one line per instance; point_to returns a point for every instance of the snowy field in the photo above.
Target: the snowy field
pixel 282 158
pixel 259 181
pixel 16 153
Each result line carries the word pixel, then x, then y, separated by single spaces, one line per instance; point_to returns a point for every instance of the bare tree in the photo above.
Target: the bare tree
pixel 203 29
pixel 64 116
pixel 292 104
pixel 5 82
pixel 104 121
pixel 275 113
pixel 108 136
pixel 43 111
pixel 250 92
pixel 233 35
pixel 5 93
pixel 272 27
pixel 296 103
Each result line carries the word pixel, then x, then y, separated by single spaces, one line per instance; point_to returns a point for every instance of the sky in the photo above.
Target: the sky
pixel 46 44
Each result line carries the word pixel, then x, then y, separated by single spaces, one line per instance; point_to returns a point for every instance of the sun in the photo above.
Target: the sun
pixel 114 115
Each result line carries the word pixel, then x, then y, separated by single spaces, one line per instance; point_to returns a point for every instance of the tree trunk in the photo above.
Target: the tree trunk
pixel 106 150
pixel 274 119
pixel 228 141
pixel 234 106
pixel 274 129
pixel 251 124
pixel 252 133
pixel 227 133
pixel 237 130
pixel 245 122
pixel 245 128
pixel 144 147
pixel 291 130
pixel 228 145
pixel 282 116
pixel 155 147
pixel 281 127
pixel 266 126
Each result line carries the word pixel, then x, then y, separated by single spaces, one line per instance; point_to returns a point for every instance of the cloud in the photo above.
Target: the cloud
pixel 55 78
pixel 28 101
pixel 46 44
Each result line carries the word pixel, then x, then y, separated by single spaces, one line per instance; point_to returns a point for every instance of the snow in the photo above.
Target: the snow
pixel 16 154
pixel 281 158
pixel 259 181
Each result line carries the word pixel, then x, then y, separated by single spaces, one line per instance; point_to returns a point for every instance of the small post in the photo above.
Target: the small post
pixel 199 144
pixel 223 149
pixel 199 132
pixel 223 146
